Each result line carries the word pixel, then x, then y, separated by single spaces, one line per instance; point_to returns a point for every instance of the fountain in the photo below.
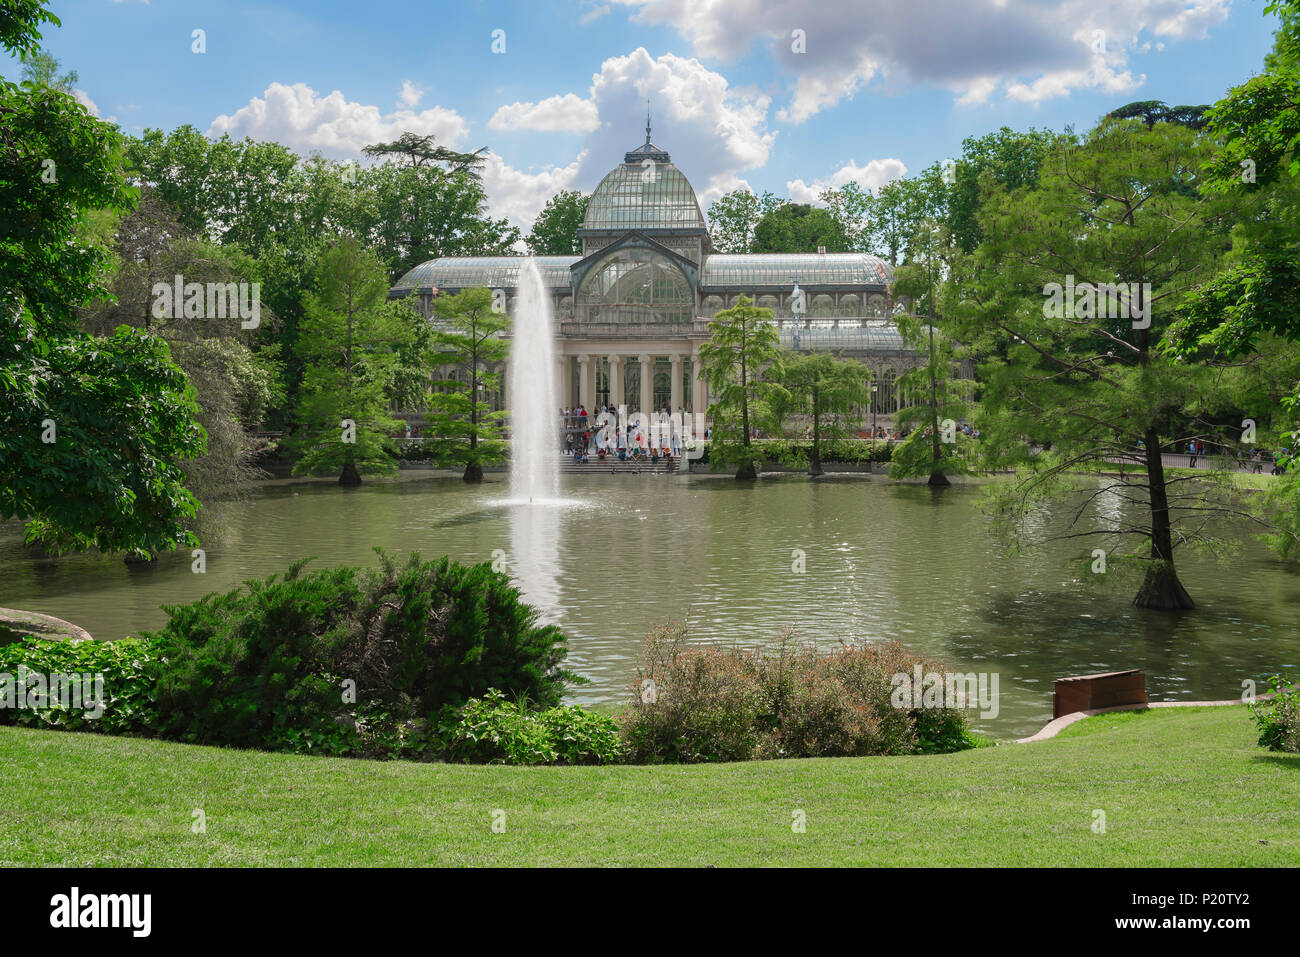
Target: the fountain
pixel 531 393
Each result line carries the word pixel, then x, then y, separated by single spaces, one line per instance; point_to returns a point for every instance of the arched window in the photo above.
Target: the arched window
pixel 823 306
pixel 711 306
pixel 848 306
pixel 635 286
pixel 769 302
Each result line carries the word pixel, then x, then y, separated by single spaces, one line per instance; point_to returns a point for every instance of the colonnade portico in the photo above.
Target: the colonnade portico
pixel 640 363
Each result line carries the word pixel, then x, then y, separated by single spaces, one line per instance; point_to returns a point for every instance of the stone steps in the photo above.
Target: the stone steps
pixel 615 467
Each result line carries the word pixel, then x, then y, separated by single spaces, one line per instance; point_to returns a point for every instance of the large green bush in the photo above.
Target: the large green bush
pixel 1278 716
pixel 693 704
pixel 343 661
pixel 127 688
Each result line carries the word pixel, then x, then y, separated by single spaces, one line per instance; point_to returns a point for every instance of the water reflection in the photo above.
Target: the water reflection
pixel 534 558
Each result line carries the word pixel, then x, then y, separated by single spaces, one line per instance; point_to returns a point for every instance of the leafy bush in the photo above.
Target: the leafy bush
pixel 495 730
pixel 794 453
pixel 342 661
pixel 1278 717
pixel 794 700
pixel 128 699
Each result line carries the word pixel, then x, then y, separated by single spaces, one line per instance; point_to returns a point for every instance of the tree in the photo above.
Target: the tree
pixel 1152 112
pixel 92 428
pixel 853 209
pixel 1258 289
pixel 1005 159
pixel 798 228
pixel 347 341
pixel 1081 273
pixel 734 216
pixel 412 149
pixel 828 390
pixel 937 395
pixel 470 344
pixel 555 232
pixel 41 68
pixel 743 348
pixel 898 210
pixel 422 212
pixel 234 386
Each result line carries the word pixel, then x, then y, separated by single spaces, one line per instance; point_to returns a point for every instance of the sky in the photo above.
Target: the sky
pixel 780 95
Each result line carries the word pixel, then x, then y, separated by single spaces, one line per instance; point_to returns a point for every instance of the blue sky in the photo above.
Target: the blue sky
pixel 775 94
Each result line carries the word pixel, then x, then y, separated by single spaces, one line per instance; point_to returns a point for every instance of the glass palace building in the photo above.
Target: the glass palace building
pixel 633 309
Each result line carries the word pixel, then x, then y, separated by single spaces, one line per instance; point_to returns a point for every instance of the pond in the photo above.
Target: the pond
pixel 880 560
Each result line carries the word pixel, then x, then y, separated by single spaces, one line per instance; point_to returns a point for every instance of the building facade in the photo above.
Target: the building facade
pixel 633 309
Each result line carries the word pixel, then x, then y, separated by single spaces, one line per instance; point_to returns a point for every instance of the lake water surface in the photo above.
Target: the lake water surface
pixel 881 560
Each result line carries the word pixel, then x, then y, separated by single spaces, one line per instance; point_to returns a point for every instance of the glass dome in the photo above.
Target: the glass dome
pixel 651 194
pixel 635 286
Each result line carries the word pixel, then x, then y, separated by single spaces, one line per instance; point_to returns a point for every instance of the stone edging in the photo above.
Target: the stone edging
pixel 15 617
pixel 1056 725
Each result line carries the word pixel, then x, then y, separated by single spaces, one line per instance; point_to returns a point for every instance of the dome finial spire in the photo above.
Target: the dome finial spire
pixel 647 122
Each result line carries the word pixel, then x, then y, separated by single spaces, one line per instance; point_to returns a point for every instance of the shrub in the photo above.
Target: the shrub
pixel 794 453
pixel 128 699
pixel 344 662
pixel 495 730
pixel 792 700
pixel 1278 717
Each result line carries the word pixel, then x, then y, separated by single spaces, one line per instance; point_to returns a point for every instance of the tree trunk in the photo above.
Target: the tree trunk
pixel 747 472
pixel 473 472
pixel 1161 588
pixel 350 476
pixel 937 478
pixel 815 459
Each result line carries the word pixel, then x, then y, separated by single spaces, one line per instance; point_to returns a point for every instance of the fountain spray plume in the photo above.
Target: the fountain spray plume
pixel 532 392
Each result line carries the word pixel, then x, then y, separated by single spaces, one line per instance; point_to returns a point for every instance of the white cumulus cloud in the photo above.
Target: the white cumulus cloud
pixel 300 118
pixel 555 114
pixel 871 177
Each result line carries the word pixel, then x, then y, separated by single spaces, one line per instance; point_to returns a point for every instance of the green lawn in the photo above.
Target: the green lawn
pixel 1179 787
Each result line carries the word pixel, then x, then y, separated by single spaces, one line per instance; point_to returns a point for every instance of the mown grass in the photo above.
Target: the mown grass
pixel 1178 787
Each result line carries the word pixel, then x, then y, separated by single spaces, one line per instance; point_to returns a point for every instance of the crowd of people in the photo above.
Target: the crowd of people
pixel 584 442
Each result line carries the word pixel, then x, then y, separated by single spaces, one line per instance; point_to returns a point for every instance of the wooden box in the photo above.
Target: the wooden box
pixel 1091 692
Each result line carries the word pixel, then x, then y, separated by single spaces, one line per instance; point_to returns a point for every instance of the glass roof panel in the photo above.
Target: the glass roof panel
pixel 654 196
pixel 495 272
pixel 732 270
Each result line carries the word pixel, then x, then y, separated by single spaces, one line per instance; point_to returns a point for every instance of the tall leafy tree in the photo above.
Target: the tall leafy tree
pixel 92 428
pixel 742 363
pixel 1086 377
pixel 734 216
pixel 348 340
pixel 798 228
pixel 555 232
pixel 470 344
pixel 853 209
pixel 829 391
pixel 935 390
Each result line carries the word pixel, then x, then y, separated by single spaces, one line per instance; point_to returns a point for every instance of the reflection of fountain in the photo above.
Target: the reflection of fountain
pixel 534 419
pixel 535 558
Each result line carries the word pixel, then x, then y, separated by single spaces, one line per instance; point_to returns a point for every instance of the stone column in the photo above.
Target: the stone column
pixel 563 390
pixel 699 390
pixel 676 389
pixel 584 381
pixel 647 383
pixel 615 381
